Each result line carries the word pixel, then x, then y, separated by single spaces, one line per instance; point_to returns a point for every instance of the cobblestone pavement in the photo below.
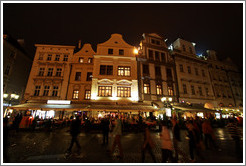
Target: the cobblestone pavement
pixel 49 147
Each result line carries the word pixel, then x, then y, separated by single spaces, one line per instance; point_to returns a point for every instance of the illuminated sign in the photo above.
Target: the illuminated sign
pixel 58 102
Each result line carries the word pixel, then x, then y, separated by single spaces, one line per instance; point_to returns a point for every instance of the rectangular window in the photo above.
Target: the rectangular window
pixel 158 42
pixel 7 70
pixel 41 56
pixel 50 72
pixel 184 89
pixel 193 90
pixel 41 71
pixel 152 41
pixel 58 72
pixel 151 55
pixel 55 91
pixel 189 70
pixel 90 60
pixel 65 58
pixel 169 74
pixel 190 50
pixel 37 90
pixel 49 57
pixel 207 92
pixel 78 76
pixel 200 90
pixel 181 69
pixel 81 60
pixel 57 58
pixel 146 88
pixel 46 90
pixel 157 71
pixel 110 51
pixel 158 89
pixel 196 70
pixel 203 73
pixel 163 57
pixel 184 48
pixel 157 56
pixel 145 69
pixel 105 91
pixel 121 52
pixel 106 70
pixel 170 90
pixel 124 71
pixel 87 95
pixel 123 92
pixel 89 76
pixel 75 94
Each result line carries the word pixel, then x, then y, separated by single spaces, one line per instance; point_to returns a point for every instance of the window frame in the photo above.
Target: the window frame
pixel 146 88
pixel 126 91
pixel 105 91
pixel 122 70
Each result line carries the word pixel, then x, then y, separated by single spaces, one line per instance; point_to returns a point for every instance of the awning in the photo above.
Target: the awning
pixel 193 108
pixel 85 107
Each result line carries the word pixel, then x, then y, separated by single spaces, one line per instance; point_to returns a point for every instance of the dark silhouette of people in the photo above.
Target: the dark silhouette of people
pixel 17 121
pixel 74 131
pixel 117 139
pixel 5 139
pixel 105 129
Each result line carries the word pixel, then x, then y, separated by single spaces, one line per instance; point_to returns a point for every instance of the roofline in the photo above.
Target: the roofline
pixel 45 45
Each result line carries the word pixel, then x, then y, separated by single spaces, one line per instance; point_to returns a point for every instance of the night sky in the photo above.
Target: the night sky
pixel 210 26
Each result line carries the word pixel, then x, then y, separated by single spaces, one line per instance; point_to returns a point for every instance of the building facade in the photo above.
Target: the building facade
pixel 156 70
pixel 193 79
pixel 16 68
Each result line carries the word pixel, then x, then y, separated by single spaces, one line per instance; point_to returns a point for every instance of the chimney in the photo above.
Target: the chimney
pixel 79 44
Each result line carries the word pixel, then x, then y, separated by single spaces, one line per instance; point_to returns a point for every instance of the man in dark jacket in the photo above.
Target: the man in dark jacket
pixel 74 131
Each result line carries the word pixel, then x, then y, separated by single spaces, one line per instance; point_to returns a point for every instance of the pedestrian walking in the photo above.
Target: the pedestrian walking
pixel 17 121
pixel 148 144
pixel 209 137
pixel 235 134
pixel 74 131
pixel 176 137
pixel 105 129
pixel 166 143
pixel 117 131
pixel 192 139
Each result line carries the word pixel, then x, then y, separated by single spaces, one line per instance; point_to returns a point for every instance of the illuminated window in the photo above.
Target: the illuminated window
pixel 87 95
pixel 75 94
pixel 146 88
pixel 46 90
pixel 55 91
pixel 110 51
pixel 158 90
pixel 78 76
pixel 58 72
pixel 193 90
pixel 124 71
pixel 123 91
pixel 7 70
pixel 145 69
pixel 106 70
pixel 41 72
pixel 89 76
pixel 57 58
pixel 184 89
pixel 151 55
pixel 65 58
pixel 189 70
pixel 49 57
pixel 200 90
pixel 170 90
pixel 157 56
pixel 181 69
pixel 121 52
pixel 81 60
pixel 37 90
pixel 105 91
pixel 50 72
pixel 90 60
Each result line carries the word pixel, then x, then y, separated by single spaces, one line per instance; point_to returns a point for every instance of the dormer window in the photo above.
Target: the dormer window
pixel 110 51
pixel 191 50
pixel 121 52
pixel 184 48
pixel 81 60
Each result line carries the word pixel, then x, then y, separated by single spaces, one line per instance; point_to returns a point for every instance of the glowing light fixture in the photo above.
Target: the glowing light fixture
pixel 16 96
pixel 135 51
pixel 170 99
pixel 12 95
pixel 58 102
pixel 5 95
pixel 163 99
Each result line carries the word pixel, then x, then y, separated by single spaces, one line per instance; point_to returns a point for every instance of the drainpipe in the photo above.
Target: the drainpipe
pixel 69 79
pixel 176 78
